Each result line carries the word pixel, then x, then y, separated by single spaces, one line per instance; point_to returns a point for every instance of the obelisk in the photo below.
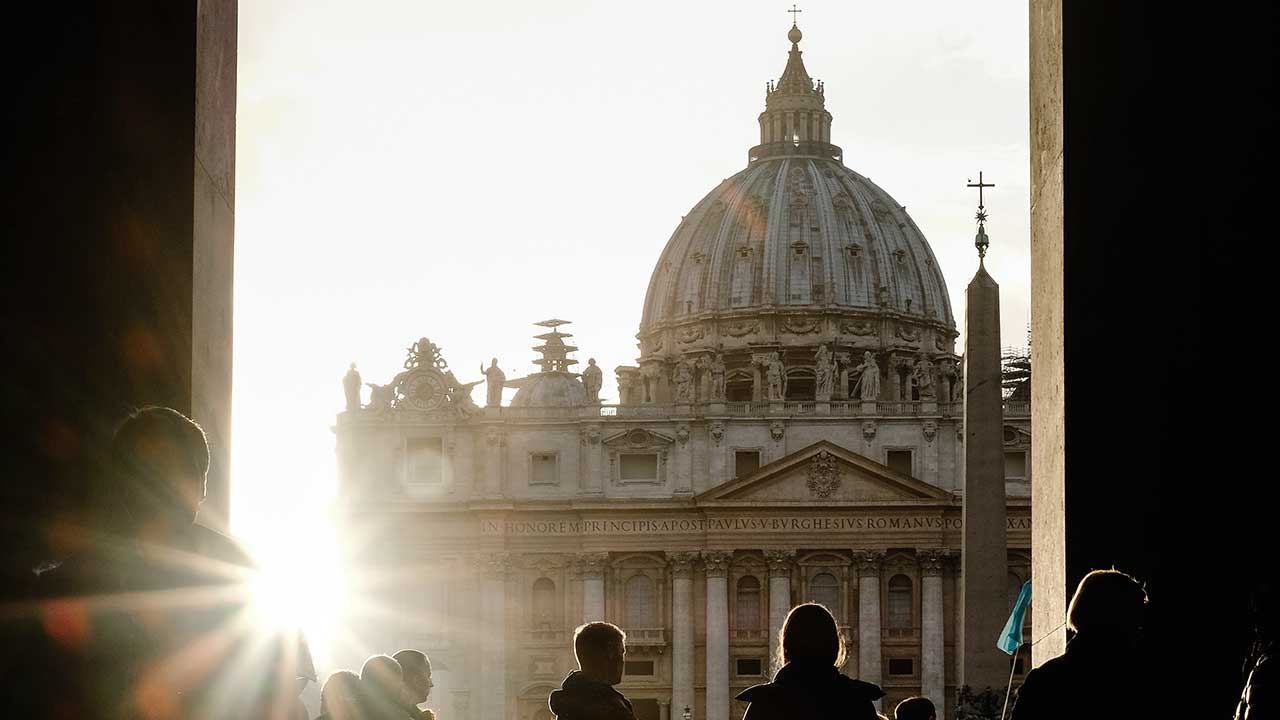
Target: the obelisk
pixel 984 556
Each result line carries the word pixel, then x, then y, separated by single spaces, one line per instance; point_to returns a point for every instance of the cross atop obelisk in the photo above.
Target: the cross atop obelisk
pixel 794 11
pixel 981 241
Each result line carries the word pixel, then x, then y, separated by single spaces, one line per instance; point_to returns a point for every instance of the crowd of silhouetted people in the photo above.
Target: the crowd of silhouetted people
pixel 145 619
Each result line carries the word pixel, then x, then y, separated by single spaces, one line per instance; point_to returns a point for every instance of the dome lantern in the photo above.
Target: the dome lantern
pixel 795 120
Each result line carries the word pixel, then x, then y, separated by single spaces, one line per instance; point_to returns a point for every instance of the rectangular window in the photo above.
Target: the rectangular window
pixel 637 667
pixel 638 466
pixel 745 462
pixel 424 460
pixel 1015 465
pixel 901 666
pixel 543 469
pixel 750 666
pixel 899 460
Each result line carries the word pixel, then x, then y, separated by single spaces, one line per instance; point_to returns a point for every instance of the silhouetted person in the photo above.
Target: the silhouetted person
pixel 417 681
pixel 809 683
pixel 1260 699
pixel 587 693
pixel 342 697
pixel 383 681
pixel 143 619
pixel 915 708
pixel 1094 677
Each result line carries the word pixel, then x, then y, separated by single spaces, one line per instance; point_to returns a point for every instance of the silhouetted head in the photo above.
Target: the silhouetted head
pixel 161 460
pixel 340 697
pixel 1108 603
pixel 382 679
pixel 810 636
pixel 600 649
pixel 915 708
pixel 416 667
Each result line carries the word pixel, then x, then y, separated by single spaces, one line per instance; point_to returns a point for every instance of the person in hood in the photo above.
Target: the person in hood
pixel 1106 614
pixel 809 683
pixel 587 693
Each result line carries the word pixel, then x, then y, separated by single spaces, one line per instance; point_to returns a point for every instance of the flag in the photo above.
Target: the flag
pixel 1011 637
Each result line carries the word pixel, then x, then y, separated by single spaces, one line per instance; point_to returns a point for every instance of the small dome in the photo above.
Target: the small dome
pixel 550 389
pixel 795 35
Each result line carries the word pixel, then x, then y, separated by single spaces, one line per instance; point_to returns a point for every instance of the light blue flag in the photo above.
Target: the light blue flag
pixel 1011 637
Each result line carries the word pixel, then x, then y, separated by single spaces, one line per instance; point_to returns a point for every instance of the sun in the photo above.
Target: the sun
pixel 300 581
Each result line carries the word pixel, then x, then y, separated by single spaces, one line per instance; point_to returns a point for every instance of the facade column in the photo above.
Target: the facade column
pixel 682 656
pixel 716 564
pixel 592 566
pixel 869 562
pixel 779 598
pixel 494 461
pixel 932 644
pixel 493 636
pixel 592 477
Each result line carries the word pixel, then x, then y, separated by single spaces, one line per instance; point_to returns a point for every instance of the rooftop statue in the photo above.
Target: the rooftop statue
pixel 592 379
pixel 351 387
pixel 824 372
pixel 869 380
pixel 495 380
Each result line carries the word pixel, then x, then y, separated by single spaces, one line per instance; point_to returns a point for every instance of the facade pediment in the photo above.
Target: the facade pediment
pixel 823 473
pixel 637 438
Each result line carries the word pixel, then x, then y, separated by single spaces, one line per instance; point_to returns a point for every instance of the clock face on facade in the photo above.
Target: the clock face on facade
pixel 424 391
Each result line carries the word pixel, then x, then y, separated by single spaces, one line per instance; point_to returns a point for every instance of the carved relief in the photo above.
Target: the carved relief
pixel 779 562
pixel 717 432
pixel 682 563
pixel 494 565
pixel 682 434
pixel 801 325
pixel 591 564
pixel 689 334
pixel 777 429
pixel 869 430
pixel 824 474
pixel 933 561
pixel 868 562
pixel 740 328
pixel 716 562
pixel 941 343
pixel 493 436
pixel 930 430
pixel 960 431
pixel 590 435
pixel 907 333
pixel 858 327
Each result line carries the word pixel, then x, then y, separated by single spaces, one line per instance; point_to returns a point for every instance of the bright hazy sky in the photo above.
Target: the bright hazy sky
pixel 463 170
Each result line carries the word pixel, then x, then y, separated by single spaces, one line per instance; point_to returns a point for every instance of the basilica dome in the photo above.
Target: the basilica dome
pixel 795 245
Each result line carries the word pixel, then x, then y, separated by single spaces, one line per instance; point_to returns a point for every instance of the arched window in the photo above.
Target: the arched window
pixel 824 588
pixel 642 606
pixel 799 384
pixel 544 603
pixel 749 603
pixel 900 601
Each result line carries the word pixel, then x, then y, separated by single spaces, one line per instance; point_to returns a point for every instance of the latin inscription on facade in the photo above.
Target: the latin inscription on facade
pixel 661 526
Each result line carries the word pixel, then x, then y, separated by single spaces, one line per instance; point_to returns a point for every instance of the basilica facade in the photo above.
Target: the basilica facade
pixel 792 430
